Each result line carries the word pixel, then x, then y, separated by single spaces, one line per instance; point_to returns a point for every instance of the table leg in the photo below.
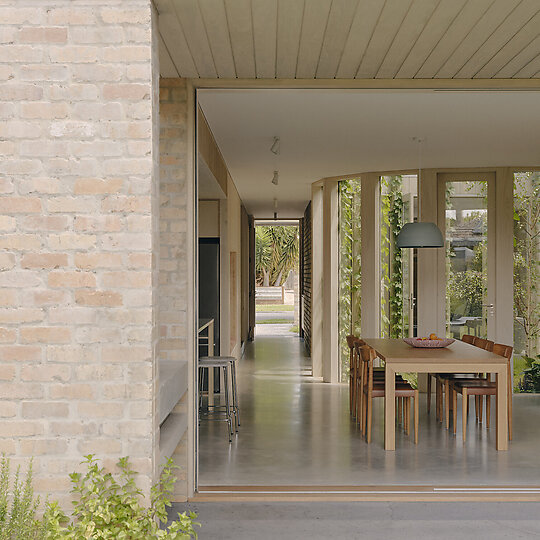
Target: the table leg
pixel 211 370
pixel 390 408
pixel 502 410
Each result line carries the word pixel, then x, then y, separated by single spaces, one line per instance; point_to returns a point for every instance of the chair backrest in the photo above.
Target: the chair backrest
pixel 503 350
pixel 350 341
pixel 482 343
pixel 468 338
pixel 367 355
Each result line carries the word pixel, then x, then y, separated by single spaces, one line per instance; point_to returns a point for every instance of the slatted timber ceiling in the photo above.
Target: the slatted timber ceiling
pixel 347 39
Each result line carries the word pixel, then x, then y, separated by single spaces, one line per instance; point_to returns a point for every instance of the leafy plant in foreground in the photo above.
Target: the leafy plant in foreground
pixel 18 506
pixel 109 509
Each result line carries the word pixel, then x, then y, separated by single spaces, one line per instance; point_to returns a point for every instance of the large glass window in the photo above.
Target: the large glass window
pixel 349 267
pixel 398 205
pixel 466 258
pixel 527 282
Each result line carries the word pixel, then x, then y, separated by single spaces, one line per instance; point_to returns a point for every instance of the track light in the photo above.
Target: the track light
pixel 275 146
pixel 275 179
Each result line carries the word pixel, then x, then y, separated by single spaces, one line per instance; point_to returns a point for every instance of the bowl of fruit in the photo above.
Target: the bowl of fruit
pixel 431 342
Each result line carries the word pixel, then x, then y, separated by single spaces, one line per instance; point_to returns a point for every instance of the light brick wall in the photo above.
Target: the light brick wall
pixel 172 290
pixel 78 231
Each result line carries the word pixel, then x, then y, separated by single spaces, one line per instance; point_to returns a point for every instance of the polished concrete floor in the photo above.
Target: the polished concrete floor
pixel 366 521
pixel 297 431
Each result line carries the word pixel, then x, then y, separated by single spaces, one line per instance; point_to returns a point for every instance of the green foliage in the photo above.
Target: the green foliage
pixel 107 508
pixel 527 258
pixel 391 258
pixel 465 293
pixel 349 266
pixel 276 253
pixel 18 506
pixel 530 377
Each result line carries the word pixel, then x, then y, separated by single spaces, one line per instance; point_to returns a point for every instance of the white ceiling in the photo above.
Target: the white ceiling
pixel 349 39
pixel 338 132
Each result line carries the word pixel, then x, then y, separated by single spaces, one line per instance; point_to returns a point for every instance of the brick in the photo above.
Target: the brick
pixel 72 354
pixel 98 298
pixel 46 373
pixel 43 148
pixel 98 111
pixel 71 204
pixel 71 391
pixel 21 15
pixel 127 53
pixel 97 148
pixel 27 54
pixel 72 92
pixel 96 34
pixel 133 91
pixel 20 166
pixel 127 428
pixel 7 110
pixel 104 409
pixel 68 241
pixel 7 372
pixel 139 148
pixel 117 353
pixel 44 260
pixel 75 15
pixel 98 223
pixel 42 34
pixel 7 261
pixel 98 260
pixel 45 223
pixel 137 72
pixel 20 353
pixel 72 315
pixel 13 428
pixel 122 15
pixel 20 130
pixel 97 186
pixel 97 72
pixel 20 92
pixel 68 129
pixel 127 279
pixel 41 447
pixel 126 203
pixel 45 334
pixel 127 241
pixel 44 110
pixel 19 205
pixel 45 409
pixel 43 72
pixel 12 390
pixel 8 409
pixel 94 334
pixel 99 373
pixel 125 130
pixel 138 223
pixel 71 279
pixel 8 335
pixel 19 278
pixel 140 260
pixel 20 242
pixel 7 72
pixel 8 297
pixel 41 185
pixel 100 446
pixel 47 297
pixel 66 429
pixel 20 315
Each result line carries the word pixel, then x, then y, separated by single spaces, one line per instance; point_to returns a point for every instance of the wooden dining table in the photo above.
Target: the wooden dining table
pixel 459 357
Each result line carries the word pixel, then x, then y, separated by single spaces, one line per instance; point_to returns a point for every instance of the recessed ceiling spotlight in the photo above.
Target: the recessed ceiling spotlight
pixel 275 146
pixel 275 179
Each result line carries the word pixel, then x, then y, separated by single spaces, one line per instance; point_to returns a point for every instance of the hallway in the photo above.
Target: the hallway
pixel 297 430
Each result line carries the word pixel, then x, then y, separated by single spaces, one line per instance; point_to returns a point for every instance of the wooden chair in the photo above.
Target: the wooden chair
pixel 372 387
pixel 480 387
pixel 352 342
pixel 442 387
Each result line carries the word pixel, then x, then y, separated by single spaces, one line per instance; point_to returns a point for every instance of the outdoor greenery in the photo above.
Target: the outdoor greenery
pixel 391 257
pixel 271 308
pixel 276 253
pixel 105 508
pixel 349 267
pixel 527 279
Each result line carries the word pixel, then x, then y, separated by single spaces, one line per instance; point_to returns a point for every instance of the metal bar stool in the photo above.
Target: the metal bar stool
pixel 223 363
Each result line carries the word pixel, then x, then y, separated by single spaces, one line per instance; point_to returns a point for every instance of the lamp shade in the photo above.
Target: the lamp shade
pixel 421 234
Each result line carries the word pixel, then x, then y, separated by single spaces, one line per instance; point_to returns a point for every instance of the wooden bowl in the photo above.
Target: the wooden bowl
pixel 429 343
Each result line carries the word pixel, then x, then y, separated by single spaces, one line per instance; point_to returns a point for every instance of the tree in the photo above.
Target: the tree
pixel 276 253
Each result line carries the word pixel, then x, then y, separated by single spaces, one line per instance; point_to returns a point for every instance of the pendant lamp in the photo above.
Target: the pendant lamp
pixel 419 234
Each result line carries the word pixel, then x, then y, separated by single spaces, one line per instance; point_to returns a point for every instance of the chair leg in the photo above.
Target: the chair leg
pixel 407 412
pixel 454 410
pixel 464 408
pixel 416 415
pixel 438 399
pixel 368 419
pixel 447 403
pixel 399 409
pixel 488 410
pixel 236 406
pixel 480 409
pixel 429 393
pixel 227 402
pixel 476 406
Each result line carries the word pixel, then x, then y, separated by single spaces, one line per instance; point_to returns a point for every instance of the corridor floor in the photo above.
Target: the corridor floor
pixel 297 430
